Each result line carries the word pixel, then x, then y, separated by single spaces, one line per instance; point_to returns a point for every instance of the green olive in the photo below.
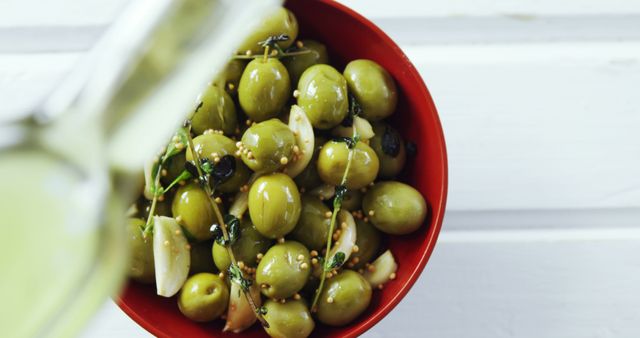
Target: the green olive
pixel 201 260
pixel 368 240
pixel 141 266
pixel 389 146
pixel 267 145
pixel 245 249
pixel 332 163
pixel 352 200
pixel 297 64
pixel 289 320
pixel 232 75
pixel 192 208
pixel 283 270
pixel 215 110
pixel 323 96
pixel 163 208
pixel 204 297
pixel 396 208
pixel 309 178
pixel 343 298
pixel 281 21
pixel 372 87
pixel 212 146
pixel 264 89
pixel 274 205
pixel 313 226
pixel 173 167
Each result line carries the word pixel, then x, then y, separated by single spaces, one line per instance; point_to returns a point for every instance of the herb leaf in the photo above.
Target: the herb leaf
pixel 223 170
pixel 272 40
pixel 184 175
pixel 155 171
pixel 341 190
pixel 173 148
pixel 235 275
pixel 391 142
pixel 354 107
pixel 335 262
pixel 351 143
pixel 262 310
pixel 233 226
pixel 218 236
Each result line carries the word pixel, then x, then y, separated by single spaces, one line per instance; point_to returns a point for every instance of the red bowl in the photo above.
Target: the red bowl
pixel 348 36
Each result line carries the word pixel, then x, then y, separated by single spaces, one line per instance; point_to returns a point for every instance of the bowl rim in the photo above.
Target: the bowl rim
pixel 437 211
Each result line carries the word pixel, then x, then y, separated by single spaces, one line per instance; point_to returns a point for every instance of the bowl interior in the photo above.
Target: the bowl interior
pixel 348 36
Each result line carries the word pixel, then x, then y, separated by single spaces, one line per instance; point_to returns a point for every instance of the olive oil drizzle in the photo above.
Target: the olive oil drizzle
pixel 235 273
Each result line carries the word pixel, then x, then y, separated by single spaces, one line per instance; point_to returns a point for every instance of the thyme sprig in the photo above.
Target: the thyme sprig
pixel 341 189
pixel 175 147
pixel 235 273
pixel 272 43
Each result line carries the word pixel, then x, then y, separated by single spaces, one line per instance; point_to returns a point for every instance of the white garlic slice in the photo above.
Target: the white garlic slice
pixel 240 315
pixel 303 131
pixel 347 238
pixel 171 255
pixel 241 200
pixel 384 268
pixel 363 128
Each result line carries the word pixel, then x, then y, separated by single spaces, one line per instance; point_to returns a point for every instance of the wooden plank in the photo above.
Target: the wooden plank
pixel 538 126
pixel 471 8
pixel 510 29
pixel 569 289
pixel 502 289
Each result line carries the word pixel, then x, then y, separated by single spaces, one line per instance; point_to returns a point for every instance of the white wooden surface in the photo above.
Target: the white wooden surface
pixel 539 101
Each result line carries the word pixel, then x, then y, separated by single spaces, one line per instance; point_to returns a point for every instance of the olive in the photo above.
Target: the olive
pixel 274 205
pixel 368 240
pixel 313 226
pixel 268 146
pixel 343 298
pixel 283 270
pixel 141 265
pixel 203 297
pixel 332 163
pixel 213 147
pixel 174 167
pixel 245 249
pixel 352 200
pixel 389 146
pixel 264 88
pixel 297 64
pixel 232 75
pixel 215 110
pixel 309 178
pixel 163 208
pixel 192 208
pixel 372 87
pixel 323 96
pixel 291 319
pixel 281 21
pixel 201 260
pixel 395 208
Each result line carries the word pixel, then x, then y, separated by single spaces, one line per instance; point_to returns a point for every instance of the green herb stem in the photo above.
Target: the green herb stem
pixel 278 56
pixel 223 227
pixel 337 205
pixel 149 225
